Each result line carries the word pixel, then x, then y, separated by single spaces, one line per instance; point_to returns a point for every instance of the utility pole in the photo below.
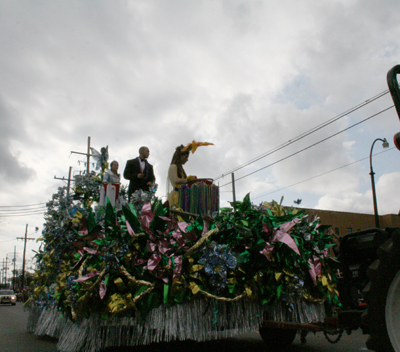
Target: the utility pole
pixel 66 179
pixel 87 156
pixel 13 280
pixel 233 187
pixel 2 274
pixel 69 179
pixel 6 271
pixel 23 259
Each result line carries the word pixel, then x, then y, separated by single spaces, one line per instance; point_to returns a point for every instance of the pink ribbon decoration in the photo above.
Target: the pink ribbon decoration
pixel 137 261
pixel 267 250
pixel 265 228
pixel 182 226
pixel 181 239
pixel 102 290
pixel 178 267
pixel 79 261
pixel 153 261
pixel 171 224
pixel 281 235
pixel 288 225
pixel 90 250
pixel 284 237
pixel 315 268
pixel 130 230
pixel 163 246
pixel 176 235
pixel 161 275
pixel 312 271
pixel 84 232
pixel 147 215
pixel 205 228
pixel 151 246
pixel 87 276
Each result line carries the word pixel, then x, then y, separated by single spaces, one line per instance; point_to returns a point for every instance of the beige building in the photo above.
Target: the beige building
pixel 343 223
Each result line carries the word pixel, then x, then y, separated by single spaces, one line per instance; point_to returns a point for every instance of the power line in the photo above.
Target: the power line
pixel 324 173
pixel 22 210
pixel 7 240
pixel 307 133
pixel 310 146
pixel 23 214
pixel 20 206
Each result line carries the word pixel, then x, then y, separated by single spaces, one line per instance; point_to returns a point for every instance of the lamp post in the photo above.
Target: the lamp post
pixel 385 144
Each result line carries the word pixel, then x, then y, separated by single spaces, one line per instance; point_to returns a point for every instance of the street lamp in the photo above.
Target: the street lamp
pixel 385 144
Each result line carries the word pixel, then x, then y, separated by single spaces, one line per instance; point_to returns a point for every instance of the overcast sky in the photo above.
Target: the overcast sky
pixel 248 76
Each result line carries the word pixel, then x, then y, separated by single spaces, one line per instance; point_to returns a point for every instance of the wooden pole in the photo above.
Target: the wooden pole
pixel 233 187
pixel 69 180
pixel 88 156
pixel 13 279
pixel 6 269
pixel 23 257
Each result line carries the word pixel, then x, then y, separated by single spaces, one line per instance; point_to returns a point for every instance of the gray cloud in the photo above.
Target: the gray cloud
pixel 247 76
pixel 11 126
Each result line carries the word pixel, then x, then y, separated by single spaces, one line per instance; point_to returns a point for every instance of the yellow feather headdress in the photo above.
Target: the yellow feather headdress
pixel 194 145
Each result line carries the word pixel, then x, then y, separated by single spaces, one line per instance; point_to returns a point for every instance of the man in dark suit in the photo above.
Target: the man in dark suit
pixel 139 172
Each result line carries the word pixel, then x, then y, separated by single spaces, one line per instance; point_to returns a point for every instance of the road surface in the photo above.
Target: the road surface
pixel 15 338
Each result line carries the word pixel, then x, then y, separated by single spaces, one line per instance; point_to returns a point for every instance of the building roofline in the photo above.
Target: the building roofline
pixel 343 212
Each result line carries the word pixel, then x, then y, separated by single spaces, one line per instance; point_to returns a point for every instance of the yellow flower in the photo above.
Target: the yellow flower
pixel 77 217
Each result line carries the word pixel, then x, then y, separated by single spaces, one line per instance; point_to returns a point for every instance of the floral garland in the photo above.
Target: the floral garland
pixel 113 263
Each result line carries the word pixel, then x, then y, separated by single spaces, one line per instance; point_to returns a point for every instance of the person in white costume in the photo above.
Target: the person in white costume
pixel 110 187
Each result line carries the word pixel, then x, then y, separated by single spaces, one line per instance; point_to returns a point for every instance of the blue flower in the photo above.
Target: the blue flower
pixel 217 260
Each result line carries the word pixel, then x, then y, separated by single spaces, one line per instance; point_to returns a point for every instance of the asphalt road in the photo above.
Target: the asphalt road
pixel 13 334
pixel 15 338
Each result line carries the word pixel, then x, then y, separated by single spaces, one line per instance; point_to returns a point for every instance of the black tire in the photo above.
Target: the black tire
pixel 381 273
pixel 276 338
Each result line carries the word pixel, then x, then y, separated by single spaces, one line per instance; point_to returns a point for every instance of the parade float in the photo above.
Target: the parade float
pixel 146 273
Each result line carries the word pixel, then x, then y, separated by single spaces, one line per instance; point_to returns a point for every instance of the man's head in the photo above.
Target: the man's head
pixel 144 152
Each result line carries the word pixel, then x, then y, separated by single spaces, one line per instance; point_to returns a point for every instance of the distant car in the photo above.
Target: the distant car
pixel 8 296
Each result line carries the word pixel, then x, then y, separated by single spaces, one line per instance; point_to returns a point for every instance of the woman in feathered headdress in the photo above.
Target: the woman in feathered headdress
pixel 176 174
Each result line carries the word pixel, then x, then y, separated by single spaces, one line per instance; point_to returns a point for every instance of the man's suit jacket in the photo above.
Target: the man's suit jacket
pixel 132 169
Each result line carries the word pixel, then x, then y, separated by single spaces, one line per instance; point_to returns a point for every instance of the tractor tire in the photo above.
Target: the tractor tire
pixel 276 338
pixel 383 298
